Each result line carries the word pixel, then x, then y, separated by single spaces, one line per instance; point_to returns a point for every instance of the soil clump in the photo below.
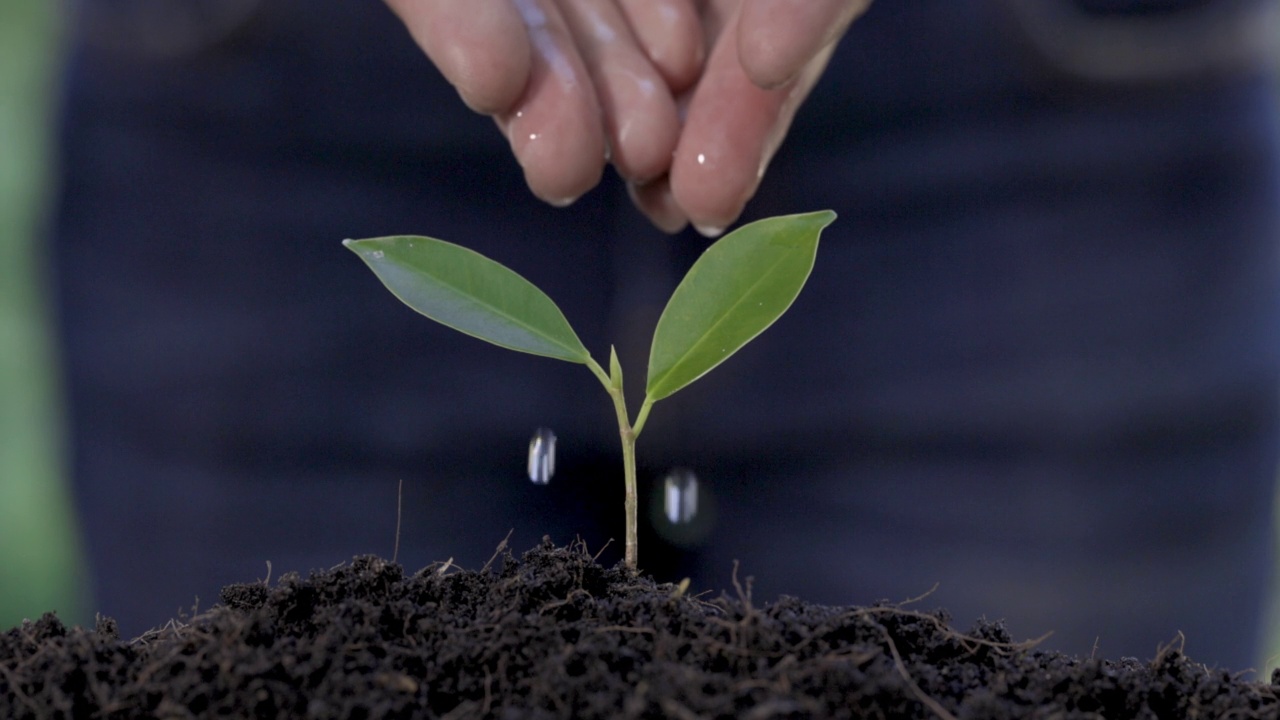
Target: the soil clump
pixel 555 635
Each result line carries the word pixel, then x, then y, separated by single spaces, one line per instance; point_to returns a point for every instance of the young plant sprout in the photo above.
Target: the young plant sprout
pixel 738 287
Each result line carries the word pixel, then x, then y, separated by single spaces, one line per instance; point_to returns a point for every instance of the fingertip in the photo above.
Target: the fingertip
pixel 482 50
pixel 709 231
pixel 554 127
pixel 493 84
pixel 671 35
pixel 762 62
pixel 559 178
pixel 655 201
pixel 562 202
pixel 646 138
pixel 492 80
pixel 769 55
pixel 555 140
pixel 778 38
pixel 639 114
pixel 716 166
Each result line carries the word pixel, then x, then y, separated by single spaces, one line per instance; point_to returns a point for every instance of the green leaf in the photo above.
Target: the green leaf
pixel 471 293
pixel 739 287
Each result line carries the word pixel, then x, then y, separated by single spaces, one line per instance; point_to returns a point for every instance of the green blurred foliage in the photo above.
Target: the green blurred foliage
pixel 40 565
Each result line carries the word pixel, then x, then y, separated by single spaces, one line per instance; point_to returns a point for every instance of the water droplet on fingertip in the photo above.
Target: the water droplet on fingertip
pixel 542 456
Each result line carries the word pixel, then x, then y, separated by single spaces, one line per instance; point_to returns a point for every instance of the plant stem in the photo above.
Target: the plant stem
pixel 630 503
pixel 628 435
pixel 643 416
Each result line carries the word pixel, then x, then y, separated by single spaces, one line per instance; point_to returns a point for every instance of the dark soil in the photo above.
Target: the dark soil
pixel 555 635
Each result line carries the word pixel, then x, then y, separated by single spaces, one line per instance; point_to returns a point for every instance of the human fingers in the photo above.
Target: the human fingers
pixel 638 110
pixel 778 38
pixel 482 48
pixel 554 126
pixel 670 34
pixel 655 201
pixel 732 129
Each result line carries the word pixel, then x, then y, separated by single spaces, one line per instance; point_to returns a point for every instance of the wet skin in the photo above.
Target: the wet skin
pixel 687 99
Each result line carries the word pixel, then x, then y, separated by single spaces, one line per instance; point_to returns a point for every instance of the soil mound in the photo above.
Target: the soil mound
pixel 554 635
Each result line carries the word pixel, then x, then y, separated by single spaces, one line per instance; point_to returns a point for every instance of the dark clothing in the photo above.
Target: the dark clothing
pixel 1037 362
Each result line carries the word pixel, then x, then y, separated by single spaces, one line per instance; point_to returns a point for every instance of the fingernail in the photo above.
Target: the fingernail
pixel 562 202
pixel 708 231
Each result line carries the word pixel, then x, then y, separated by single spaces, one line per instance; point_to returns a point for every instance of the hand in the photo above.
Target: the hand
pixel 765 57
pixel 566 79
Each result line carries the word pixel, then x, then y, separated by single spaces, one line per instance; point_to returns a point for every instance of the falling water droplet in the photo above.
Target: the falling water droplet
pixel 542 456
pixel 680 496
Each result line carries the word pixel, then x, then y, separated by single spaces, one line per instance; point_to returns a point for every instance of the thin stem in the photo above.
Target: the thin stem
pixel 643 416
pixel 631 558
pixel 629 473
pixel 599 372
pixel 628 435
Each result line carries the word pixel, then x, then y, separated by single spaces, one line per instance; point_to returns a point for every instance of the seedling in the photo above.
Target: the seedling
pixel 737 288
